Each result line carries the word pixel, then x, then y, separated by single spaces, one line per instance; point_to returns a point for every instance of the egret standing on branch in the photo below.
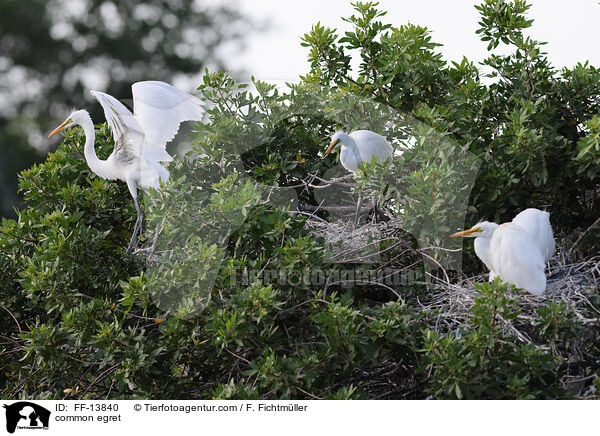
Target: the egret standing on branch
pixel 516 251
pixel 140 138
pixel 357 147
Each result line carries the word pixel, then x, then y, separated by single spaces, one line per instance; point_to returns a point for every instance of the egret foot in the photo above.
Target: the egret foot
pixel 150 250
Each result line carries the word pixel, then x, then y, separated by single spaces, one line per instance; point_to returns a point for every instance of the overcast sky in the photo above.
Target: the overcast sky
pixel 571 29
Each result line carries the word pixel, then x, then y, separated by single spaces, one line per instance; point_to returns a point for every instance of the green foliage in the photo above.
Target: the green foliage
pixel 63 259
pixel 484 361
pixel 502 21
pixel 589 148
pixel 524 126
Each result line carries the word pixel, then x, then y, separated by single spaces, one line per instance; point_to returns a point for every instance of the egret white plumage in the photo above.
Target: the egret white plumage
pixel 360 146
pixel 140 138
pixel 357 147
pixel 537 225
pixel 516 251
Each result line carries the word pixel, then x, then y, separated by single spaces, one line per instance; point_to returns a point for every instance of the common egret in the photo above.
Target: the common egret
pixel 360 146
pixel 357 147
pixel 140 138
pixel 516 251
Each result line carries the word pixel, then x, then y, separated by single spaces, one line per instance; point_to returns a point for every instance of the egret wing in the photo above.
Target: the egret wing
pixel 372 144
pixel 517 259
pixel 119 118
pixel 385 145
pixel 127 132
pixel 160 109
pixel 537 224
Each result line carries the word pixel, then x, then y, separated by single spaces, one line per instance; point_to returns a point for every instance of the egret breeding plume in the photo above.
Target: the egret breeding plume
pixel 140 137
pixel 516 251
pixel 357 147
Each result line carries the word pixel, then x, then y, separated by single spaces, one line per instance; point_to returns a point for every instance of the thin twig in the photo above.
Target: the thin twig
pixel 309 394
pixel 13 317
pixel 581 237
pixel 101 376
pixel 239 357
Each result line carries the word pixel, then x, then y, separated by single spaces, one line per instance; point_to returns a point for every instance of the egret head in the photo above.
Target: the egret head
pixel 336 140
pixel 74 119
pixel 483 229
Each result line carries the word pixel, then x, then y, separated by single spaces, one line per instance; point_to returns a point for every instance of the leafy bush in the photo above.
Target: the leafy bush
pixel 484 361
pixel 534 139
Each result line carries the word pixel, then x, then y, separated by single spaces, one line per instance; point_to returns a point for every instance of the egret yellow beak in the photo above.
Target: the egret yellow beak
pixel 331 146
pixel 467 232
pixel 60 128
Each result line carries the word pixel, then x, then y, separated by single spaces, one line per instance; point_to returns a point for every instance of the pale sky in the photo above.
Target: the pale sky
pixel 571 29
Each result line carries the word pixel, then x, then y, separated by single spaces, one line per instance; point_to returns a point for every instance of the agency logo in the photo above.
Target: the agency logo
pixel 26 415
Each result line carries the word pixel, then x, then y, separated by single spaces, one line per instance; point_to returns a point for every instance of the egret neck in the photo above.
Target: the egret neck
pixel 97 166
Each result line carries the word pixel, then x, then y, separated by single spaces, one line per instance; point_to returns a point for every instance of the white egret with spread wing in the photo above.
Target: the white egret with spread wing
pixel 516 251
pixel 140 137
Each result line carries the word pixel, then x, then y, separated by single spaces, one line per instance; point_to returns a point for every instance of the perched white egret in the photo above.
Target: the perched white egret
pixel 516 251
pixel 357 147
pixel 140 138
pixel 360 146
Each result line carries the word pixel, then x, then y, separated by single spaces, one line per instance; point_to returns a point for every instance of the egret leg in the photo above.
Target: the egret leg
pixel 358 206
pixel 138 223
pixel 151 249
pixel 374 203
pixel 136 229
